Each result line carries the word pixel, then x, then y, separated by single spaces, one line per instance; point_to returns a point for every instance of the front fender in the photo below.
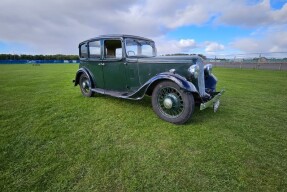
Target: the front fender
pixel 178 79
pixel 78 74
pixel 148 87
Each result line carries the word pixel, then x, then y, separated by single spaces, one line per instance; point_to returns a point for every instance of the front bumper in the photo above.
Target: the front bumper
pixel 212 102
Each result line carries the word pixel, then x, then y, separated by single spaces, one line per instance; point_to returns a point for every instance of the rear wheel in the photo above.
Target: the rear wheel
pixel 85 85
pixel 171 103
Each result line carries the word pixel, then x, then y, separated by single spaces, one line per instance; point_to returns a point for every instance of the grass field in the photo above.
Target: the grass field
pixel 54 139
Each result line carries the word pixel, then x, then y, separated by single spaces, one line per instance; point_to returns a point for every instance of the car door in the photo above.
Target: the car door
pixel 95 64
pixel 113 65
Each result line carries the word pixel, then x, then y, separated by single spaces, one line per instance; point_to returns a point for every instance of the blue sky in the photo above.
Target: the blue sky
pixel 277 4
pixel 208 27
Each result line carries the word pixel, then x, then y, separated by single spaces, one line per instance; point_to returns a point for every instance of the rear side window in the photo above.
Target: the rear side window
pixel 84 51
pixel 113 49
pixel 95 49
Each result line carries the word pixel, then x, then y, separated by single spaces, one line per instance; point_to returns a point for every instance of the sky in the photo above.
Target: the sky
pixel 209 27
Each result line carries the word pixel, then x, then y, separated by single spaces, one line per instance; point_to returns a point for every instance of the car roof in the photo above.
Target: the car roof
pixel 111 36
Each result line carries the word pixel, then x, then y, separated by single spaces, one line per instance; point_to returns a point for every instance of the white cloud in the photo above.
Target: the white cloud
pixel 189 46
pixel 269 42
pixel 192 14
pixel 238 13
pixel 58 26
pixel 166 46
pixel 213 47
pixel 173 14
pixel 187 43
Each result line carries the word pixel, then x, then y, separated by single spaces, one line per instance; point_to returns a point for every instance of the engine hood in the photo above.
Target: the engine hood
pixel 179 64
pixel 171 59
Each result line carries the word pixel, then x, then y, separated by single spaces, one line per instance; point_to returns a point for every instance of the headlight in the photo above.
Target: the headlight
pixel 194 70
pixel 207 69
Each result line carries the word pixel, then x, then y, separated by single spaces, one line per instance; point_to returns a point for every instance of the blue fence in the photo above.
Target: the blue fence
pixel 36 61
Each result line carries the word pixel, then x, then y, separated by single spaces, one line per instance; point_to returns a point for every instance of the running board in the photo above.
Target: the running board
pixel 118 94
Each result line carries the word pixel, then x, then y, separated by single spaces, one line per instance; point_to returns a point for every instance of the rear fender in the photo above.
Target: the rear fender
pixel 79 73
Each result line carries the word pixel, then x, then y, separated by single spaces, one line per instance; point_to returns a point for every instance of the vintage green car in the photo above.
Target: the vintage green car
pixel 126 66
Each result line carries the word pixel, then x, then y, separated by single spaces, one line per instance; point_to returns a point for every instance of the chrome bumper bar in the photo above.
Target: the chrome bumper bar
pixel 212 102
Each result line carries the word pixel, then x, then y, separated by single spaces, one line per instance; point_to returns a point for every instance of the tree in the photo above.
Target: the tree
pixel 202 56
pixel 38 57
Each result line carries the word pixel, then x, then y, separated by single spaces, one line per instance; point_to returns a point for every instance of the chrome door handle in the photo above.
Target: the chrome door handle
pixel 101 64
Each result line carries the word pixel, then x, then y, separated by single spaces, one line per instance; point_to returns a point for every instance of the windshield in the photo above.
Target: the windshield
pixel 140 48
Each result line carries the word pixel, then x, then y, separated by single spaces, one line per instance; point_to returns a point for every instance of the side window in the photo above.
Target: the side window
pixel 84 51
pixel 95 49
pixel 132 50
pixel 113 49
pixel 147 50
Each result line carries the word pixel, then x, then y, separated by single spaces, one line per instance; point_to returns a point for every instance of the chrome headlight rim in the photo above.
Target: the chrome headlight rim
pixel 194 71
pixel 208 69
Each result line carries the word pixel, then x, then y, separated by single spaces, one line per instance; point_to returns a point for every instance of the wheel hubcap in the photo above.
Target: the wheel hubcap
pixel 167 102
pixel 170 102
pixel 86 85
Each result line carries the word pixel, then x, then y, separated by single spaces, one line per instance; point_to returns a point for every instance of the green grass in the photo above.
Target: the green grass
pixel 54 139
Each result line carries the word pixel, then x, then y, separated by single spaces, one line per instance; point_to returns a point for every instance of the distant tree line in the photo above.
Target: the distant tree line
pixel 38 57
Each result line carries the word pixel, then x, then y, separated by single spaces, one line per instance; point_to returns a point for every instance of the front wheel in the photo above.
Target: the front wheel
pixel 171 103
pixel 85 85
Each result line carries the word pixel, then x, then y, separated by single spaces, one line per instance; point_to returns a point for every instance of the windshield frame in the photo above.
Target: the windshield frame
pixel 141 42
